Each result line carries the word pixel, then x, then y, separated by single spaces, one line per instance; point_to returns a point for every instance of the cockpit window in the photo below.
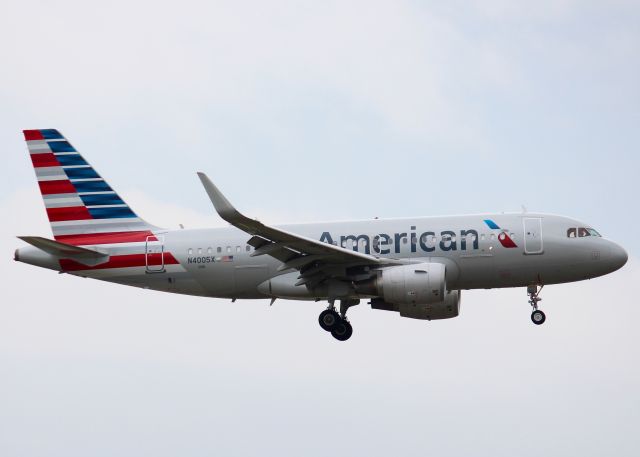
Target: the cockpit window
pixel 582 232
pixel 594 232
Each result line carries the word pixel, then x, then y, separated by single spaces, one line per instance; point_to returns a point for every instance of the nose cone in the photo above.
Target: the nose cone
pixel 618 256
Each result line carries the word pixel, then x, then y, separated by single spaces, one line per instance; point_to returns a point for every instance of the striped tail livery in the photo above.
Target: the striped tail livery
pixel 81 206
pixel 93 228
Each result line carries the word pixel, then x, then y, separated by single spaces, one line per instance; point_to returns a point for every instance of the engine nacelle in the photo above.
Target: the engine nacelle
pixel 417 284
pixel 445 309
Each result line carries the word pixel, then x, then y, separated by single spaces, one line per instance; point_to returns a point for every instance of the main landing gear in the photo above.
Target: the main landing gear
pixel 336 323
pixel 537 316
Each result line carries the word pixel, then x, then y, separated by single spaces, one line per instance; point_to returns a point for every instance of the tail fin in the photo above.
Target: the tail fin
pixel 82 208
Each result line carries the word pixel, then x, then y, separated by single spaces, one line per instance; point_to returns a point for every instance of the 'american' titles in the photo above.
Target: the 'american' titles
pixel 384 243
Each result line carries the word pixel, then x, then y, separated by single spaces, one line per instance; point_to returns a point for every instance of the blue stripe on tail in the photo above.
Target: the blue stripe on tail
pixel 60 146
pixel 81 173
pixel 102 199
pixel 111 213
pixel 92 186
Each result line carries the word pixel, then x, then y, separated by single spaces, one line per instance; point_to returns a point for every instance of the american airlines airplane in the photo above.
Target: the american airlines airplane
pixel 416 267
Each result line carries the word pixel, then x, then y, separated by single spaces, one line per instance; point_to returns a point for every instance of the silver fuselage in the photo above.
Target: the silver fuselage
pixel 219 263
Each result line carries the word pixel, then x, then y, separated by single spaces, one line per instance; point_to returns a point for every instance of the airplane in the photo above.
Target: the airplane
pixel 416 267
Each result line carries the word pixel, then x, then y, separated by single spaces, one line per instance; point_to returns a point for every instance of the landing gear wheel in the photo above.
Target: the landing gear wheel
pixel 342 330
pixel 328 319
pixel 538 317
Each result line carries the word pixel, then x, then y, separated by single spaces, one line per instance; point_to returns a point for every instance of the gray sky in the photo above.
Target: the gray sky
pixel 302 111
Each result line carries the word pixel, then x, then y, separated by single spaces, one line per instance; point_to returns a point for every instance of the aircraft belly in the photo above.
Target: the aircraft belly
pixel 231 278
pixel 476 272
pixel 247 278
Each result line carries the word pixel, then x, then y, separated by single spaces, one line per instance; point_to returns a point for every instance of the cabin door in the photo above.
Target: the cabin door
pixel 532 235
pixel 154 254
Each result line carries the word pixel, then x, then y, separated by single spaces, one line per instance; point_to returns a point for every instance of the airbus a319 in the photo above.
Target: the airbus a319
pixel 416 267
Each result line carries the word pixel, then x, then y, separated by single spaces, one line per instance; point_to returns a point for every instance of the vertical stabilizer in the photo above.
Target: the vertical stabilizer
pixel 81 206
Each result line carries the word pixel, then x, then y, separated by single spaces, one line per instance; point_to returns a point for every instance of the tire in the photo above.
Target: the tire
pixel 328 319
pixel 342 331
pixel 538 317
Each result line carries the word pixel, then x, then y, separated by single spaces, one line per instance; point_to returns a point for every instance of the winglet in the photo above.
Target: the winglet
pixel 224 208
pixel 297 244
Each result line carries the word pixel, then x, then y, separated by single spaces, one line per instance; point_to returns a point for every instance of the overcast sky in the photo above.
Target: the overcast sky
pixel 305 111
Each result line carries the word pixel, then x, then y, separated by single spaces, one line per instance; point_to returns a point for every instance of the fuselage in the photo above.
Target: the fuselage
pixel 479 251
pixel 416 267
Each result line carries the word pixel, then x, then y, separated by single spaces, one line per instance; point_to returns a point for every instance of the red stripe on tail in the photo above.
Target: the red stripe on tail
pixel 106 238
pixel 44 160
pixel 62 186
pixel 32 135
pixel 71 213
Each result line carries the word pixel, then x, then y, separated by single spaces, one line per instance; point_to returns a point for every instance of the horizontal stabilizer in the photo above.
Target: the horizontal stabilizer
pixel 84 256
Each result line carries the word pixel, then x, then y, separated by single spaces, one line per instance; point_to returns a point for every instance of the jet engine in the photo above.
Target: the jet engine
pixel 417 291
pixel 418 284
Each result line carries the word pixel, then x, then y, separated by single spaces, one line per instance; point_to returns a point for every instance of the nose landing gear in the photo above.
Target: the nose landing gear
pixel 335 323
pixel 537 316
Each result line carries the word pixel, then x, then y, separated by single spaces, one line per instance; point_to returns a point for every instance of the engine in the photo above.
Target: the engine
pixel 417 291
pixel 422 283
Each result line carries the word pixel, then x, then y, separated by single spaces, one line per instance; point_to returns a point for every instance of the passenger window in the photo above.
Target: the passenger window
pixel 228 248
pixel 209 250
pixel 571 233
pixel 583 232
pixel 237 248
pixel 190 251
pixel 248 248
pixel 199 251
pixel 219 249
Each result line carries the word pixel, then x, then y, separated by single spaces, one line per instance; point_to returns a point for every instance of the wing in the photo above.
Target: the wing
pixel 315 260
